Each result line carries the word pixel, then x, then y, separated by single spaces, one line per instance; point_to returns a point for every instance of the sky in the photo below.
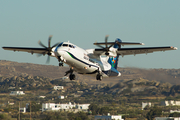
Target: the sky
pixel 82 22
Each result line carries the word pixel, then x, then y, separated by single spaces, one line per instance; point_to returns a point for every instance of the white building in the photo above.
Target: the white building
pixel 110 117
pixel 177 102
pixel 62 97
pixel 172 111
pixel 22 110
pixel 145 104
pixel 167 118
pixel 41 96
pixel 64 107
pixel 170 103
pixel 10 103
pixel 17 93
pixel 58 87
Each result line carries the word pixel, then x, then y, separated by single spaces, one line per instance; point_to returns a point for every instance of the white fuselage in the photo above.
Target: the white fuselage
pixel 76 58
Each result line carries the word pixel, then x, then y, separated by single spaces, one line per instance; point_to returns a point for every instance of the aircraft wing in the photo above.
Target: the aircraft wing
pixel 142 50
pixel 29 50
pixel 121 43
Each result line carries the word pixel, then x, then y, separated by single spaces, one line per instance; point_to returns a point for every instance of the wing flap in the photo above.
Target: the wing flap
pixel 29 50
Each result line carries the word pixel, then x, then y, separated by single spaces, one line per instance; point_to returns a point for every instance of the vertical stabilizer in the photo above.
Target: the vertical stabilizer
pixel 113 61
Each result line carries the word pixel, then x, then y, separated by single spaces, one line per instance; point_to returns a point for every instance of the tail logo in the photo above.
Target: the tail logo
pixel 113 61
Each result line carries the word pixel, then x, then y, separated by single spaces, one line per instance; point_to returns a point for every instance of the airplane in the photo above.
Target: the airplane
pixel 101 62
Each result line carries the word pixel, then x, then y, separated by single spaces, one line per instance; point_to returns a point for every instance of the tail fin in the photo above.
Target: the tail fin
pixel 113 61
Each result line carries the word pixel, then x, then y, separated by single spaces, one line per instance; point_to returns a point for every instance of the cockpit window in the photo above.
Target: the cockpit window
pixel 65 45
pixel 60 44
pixel 71 46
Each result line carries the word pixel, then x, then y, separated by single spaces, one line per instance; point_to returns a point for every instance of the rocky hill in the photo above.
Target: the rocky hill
pixel 123 94
pixel 11 69
pixel 135 87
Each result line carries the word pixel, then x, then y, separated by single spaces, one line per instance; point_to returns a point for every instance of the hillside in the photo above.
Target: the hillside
pixel 139 88
pixel 122 95
pixel 9 69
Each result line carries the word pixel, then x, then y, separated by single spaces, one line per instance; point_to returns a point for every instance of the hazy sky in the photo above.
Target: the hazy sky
pixel 83 22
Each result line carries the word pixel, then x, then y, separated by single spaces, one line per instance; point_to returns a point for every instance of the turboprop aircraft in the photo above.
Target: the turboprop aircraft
pixel 100 62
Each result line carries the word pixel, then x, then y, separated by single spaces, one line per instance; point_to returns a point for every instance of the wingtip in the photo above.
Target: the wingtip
pixel 142 43
pixel 175 48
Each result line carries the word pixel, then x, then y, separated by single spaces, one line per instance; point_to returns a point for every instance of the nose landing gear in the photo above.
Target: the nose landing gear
pixel 61 64
pixel 60 61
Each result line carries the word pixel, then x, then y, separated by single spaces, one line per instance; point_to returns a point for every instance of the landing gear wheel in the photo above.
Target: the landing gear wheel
pixel 99 77
pixel 60 64
pixel 72 77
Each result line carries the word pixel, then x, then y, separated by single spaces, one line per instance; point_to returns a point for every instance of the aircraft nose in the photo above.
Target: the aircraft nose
pixel 59 53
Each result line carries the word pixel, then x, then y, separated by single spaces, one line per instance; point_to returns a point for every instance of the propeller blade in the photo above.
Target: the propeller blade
pixel 49 41
pixel 48 49
pixel 39 55
pixel 41 44
pixel 106 38
pixel 110 46
pixel 100 46
pixel 48 60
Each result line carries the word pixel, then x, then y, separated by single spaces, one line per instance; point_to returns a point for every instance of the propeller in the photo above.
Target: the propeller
pixel 106 48
pixel 48 49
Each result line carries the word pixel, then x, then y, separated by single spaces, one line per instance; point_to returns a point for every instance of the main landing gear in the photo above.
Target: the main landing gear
pixel 71 76
pixel 99 77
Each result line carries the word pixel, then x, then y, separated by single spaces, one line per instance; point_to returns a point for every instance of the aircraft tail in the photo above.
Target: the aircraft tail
pixel 113 61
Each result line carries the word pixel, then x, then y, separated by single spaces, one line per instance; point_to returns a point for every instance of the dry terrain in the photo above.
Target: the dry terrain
pixel 10 68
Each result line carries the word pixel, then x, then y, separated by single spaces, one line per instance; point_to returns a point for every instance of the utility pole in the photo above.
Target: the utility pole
pixel 30 110
pixel 19 110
